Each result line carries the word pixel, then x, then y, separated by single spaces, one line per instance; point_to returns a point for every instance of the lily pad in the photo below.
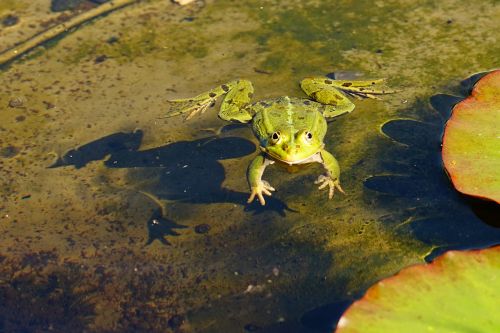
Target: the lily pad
pixel 471 141
pixel 458 292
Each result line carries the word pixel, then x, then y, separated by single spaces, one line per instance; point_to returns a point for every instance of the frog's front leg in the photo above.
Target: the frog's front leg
pixel 258 187
pixel 235 105
pixel 331 177
pixel 331 92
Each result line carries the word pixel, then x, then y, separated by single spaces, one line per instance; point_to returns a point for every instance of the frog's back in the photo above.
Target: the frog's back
pixel 288 114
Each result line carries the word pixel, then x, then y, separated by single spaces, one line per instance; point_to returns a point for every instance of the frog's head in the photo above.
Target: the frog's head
pixel 292 147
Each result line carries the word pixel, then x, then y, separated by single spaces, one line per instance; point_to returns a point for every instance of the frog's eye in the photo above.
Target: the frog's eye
pixel 308 136
pixel 275 137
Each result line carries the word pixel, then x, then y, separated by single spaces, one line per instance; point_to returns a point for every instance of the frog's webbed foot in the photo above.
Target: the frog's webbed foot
pixel 234 106
pixel 332 184
pixel 363 89
pixel 263 187
pixel 192 106
pixel 198 104
pixel 325 90
pixel 333 93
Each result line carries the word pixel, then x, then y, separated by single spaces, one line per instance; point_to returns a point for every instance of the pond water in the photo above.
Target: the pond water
pixel 115 218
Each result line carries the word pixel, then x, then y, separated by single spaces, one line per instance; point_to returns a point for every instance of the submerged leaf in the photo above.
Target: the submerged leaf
pixel 471 141
pixel 458 292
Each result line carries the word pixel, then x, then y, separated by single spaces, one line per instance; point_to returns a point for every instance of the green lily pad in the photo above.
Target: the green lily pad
pixel 471 141
pixel 458 292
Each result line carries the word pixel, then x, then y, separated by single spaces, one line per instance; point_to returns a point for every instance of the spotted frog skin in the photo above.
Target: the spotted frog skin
pixel 290 130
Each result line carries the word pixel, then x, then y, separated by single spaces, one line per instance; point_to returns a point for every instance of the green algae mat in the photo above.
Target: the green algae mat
pixel 114 218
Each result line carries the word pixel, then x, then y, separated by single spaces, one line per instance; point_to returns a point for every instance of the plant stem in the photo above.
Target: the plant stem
pixel 56 30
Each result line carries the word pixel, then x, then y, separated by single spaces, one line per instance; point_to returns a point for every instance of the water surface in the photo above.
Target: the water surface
pixel 116 219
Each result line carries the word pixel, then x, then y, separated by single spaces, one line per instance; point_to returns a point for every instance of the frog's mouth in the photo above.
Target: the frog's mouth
pixel 308 159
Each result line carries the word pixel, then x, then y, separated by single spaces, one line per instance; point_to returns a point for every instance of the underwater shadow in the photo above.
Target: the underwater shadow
pixel 183 171
pixel 160 227
pixel 260 262
pixel 414 183
pixel 97 150
pixel 190 171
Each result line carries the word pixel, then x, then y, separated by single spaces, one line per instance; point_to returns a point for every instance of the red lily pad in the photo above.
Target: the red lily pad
pixel 458 292
pixel 471 141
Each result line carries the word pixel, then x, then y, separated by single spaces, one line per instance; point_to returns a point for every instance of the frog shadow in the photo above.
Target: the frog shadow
pixel 190 171
pixel 183 171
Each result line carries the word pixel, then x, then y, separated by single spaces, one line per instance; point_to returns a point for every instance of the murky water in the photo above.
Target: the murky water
pixel 114 218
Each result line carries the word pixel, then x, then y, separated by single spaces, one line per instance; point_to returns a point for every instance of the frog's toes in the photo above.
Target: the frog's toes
pixel 190 106
pixel 331 183
pixel 199 108
pixel 216 131
pixel 257 191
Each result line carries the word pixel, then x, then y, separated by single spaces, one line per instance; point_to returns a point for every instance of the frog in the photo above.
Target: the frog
pixel 290 130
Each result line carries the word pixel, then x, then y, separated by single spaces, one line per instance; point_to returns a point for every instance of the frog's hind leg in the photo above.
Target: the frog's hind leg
pixel 331 93
pixel 321 90
pixel 196 105
pixel 234 106
pixel 363 89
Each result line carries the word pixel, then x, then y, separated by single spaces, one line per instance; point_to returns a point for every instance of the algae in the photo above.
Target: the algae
pixel 7 6
pixel 255 267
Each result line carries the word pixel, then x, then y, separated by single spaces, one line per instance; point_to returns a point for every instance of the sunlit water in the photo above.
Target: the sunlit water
pixel 114 218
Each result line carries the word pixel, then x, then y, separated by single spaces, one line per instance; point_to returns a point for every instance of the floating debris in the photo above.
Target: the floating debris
pixel 182 2
pixel 9 151
pixel 10 20
pixel 17 102
pixel 100 59
pixel 252 289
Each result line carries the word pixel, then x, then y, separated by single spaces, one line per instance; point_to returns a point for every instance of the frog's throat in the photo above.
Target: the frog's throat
pixel 304 160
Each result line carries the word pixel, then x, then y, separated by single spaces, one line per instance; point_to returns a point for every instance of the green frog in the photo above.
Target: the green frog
pixel 290 130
